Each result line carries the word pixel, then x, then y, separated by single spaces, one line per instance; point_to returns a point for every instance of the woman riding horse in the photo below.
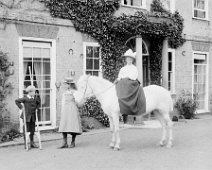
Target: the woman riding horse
pixel 130 93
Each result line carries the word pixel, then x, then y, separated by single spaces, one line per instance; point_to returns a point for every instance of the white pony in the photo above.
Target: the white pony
pixel 158 100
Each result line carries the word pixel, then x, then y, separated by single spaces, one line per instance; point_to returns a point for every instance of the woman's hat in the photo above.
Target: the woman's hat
pixel 129 53
pixel 69 80
pixel 30 88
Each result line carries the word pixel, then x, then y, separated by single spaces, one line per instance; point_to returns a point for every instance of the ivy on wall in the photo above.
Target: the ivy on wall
pixel 96 18
pixel 5 87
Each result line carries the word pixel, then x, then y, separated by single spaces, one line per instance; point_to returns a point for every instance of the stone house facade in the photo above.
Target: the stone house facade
pixel 51 49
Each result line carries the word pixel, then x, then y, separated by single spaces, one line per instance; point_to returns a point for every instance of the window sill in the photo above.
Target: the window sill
pixel 201 19
pixel 135 7
pixel 202 112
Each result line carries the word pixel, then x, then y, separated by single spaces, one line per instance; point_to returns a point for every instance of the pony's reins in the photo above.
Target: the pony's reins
pixel 93 94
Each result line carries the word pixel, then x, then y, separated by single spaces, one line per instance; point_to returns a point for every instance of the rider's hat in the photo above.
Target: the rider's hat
pixel 130 53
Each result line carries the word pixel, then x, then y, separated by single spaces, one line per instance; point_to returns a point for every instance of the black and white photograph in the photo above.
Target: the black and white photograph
pixel 105 84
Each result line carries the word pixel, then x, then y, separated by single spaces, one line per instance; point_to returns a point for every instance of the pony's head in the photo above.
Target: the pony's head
pixel 83 89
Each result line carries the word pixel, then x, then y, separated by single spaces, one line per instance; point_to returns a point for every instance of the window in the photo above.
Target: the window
pixel 200 9
pixel 171 70
pixel 200 80
pixel 36 63
pixel 92 59
pixel 135 3
pixel 168 5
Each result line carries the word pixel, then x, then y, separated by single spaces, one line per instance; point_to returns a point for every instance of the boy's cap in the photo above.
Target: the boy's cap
pixel 30 89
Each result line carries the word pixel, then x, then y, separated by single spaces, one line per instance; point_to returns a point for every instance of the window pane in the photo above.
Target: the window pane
pixel 96 52
pixel 37 52
pixel 144 48
pixel 96 64
pixel 170 66
pixel 199 14
pixel 169 56
pixel 89 52
pixel 200 4
pixel 89 64
pixel 27 52
pixel 46 66
pixel 89 72
pixel 95 73
pixel 45 53
pixel 166 4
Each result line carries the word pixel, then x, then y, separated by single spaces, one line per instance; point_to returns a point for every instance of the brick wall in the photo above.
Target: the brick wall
pixel 37 17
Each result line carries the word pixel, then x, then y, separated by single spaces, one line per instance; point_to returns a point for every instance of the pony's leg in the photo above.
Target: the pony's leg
pixel 169 126
pixel 112 144
pixel 164 130
pixel 116 131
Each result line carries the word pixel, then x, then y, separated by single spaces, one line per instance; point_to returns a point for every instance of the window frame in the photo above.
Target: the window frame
pixel 144 6
pixel 93 44
pixel 53 75
pixel 172 90
pixel 207 80
pixel 172 6
pixel 206 11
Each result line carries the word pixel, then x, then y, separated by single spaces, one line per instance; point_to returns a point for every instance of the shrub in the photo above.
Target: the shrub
pixel 186 105
pixel 10 135
pixel 92 108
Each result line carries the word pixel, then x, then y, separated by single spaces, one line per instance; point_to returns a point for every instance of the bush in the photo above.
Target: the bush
pixel 10 135
pixel 92 108
pixel 186 105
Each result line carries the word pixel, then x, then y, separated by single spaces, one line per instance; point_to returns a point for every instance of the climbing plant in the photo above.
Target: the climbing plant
pixel 5 86
pixel 96 18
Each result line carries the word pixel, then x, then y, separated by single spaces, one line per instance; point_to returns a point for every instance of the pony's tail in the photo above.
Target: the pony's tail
pixel 171 106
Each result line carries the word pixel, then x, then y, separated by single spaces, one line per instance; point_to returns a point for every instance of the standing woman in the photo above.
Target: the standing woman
pixel 130 93
pixel 70 118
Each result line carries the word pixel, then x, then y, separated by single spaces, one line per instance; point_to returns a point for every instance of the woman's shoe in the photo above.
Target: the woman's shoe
pixel 72 145
pixel 63 146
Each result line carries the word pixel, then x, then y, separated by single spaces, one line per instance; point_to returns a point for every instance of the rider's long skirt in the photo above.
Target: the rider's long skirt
pixel 131 97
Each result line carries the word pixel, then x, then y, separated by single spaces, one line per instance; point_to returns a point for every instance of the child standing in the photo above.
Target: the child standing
pixel 70 119
pixel 31 104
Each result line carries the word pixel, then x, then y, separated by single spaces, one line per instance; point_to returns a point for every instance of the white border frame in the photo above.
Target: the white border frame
pixel 207 11
pixel 93 44
pixel 207 80
pixel 53 77
pixel 173 90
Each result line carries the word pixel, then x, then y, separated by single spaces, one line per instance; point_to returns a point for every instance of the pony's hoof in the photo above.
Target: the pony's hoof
pixel 112 145
pixel 161 143
pixel 169 145
pixel 116 148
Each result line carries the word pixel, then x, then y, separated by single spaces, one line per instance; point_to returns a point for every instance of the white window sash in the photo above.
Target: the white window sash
pixel 201 10
pixel 172 80
pixel 143 5
pixel 93 44
pixel 43 43
pixel 206 78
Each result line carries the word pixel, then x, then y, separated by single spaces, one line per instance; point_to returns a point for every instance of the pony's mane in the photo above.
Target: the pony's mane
pixel 101 80
pixel 94 78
